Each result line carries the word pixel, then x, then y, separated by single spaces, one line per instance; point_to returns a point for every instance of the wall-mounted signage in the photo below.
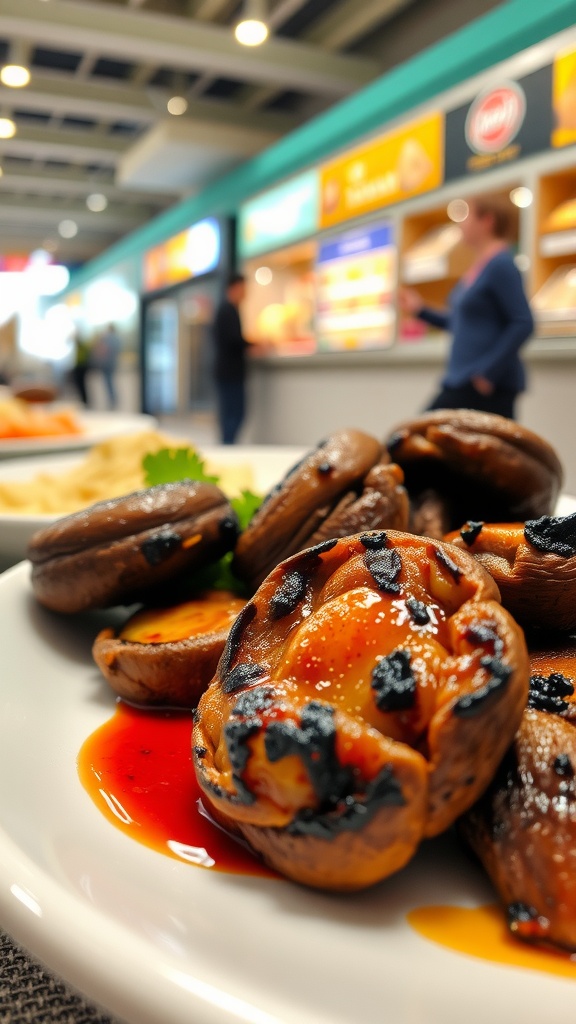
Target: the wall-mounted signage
pixel 564 99
pixel 189 254
pixel 280 217
pixel 397 165
pixel 355 280
pixel 505 122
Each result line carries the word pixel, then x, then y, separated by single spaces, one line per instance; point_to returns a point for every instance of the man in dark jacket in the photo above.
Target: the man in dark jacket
pixel 230 363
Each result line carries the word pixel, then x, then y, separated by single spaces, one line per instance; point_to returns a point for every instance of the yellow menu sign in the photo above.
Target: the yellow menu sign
pixel 403 163
pixel 564 99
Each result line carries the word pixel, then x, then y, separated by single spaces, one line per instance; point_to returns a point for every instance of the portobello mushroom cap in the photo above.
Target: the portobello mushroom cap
pixel 168 672
pixel 482 466
pixel 524 828
pixel 364 699
pixel 534 565
pixel 343 486
pixel 116 551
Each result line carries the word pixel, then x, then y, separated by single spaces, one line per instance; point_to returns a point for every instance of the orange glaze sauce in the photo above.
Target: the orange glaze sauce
pixel 137 768
pixel 482 932
pixel 210 612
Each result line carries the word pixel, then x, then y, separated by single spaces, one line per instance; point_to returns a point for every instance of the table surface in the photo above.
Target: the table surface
pixel 29 993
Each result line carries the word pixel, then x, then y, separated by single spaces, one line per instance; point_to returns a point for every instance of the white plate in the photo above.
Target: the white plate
pixel 154 940
pixel 270 462
pixel 98 426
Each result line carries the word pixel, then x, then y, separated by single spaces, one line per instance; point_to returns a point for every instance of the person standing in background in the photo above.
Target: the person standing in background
pixel 489 318
pixel 81 366
pixel 230 360
pixel 106 354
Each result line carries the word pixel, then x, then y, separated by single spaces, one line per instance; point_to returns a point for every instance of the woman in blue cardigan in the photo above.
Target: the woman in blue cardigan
pixel 489 318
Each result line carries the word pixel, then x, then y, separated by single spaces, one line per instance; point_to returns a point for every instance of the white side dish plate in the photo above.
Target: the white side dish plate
pixel 98 426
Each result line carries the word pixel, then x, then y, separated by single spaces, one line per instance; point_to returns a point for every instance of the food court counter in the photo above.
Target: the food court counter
pixel 301 399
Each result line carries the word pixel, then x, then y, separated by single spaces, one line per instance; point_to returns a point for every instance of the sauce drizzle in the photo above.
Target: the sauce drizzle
pixel 482 932
pixel 137 768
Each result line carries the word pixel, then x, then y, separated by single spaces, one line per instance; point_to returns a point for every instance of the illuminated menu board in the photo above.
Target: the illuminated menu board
pixel 355 274
pixel 189 254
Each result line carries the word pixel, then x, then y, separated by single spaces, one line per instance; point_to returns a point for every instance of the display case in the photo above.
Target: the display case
pixel 554 263
pixel 280 298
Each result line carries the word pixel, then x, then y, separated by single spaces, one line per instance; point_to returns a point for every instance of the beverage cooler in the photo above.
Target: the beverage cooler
pixel 184 280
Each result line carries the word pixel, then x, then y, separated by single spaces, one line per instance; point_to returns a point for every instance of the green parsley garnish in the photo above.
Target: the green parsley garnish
pixel 171 465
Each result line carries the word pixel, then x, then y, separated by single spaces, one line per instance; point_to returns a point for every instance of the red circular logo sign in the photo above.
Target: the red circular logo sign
pixel 495 118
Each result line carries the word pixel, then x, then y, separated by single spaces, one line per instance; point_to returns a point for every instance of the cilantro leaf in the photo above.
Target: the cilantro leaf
pixel 245 506
pixel 169 465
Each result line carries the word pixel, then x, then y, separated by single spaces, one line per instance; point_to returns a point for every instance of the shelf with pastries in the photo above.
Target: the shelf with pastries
pixel 554 264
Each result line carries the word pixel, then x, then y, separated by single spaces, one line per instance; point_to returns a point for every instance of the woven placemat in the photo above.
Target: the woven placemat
pixel 30 994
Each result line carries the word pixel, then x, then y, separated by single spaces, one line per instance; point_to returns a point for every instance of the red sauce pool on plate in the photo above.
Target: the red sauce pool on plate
pixel 137 768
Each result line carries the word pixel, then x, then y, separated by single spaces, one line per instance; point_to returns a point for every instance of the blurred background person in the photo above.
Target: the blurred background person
pixel 105 359
pixel 79 371
pixel 230 347
pixel 488 316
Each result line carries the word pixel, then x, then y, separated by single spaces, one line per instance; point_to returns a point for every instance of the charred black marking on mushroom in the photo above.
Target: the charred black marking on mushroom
pixel 353 811
pixel 237 734
pixel 475 703
pixel 314 742
pixel 394 683
pixel 384 567
pixel 483 633
pixel 229 529
pixel 547 693
pixel 200 752
pixel 445 560
pixel 418 611
pixel 325 468
pixel 253 702
pixel 242 620
pixel 563 766
pixel 241 675
pixel 470 531
pixel 311 555
pixel 288 595
pixel 554 534
pixel 160 546
pixel 374 541
pixel 521 917
pixel 245 723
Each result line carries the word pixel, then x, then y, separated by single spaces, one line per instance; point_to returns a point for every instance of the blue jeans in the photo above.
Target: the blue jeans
pixel 501 401
pixel 231 408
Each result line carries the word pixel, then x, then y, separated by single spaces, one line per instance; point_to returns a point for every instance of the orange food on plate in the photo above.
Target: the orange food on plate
pixel 20 419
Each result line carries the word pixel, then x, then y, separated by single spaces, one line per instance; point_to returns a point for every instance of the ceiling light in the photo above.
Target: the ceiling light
pixel 14 75
pixel 7 128
pixel 252 29
pixel 457 210
pixel 263 275
pixel 67 228
pixel 177 105
pixel 521 197
pixel 96 202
